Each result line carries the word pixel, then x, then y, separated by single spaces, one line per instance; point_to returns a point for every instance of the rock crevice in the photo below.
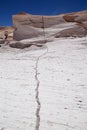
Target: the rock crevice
pixel 37 91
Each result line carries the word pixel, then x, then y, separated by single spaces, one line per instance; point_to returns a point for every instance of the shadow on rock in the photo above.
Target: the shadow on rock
pixel 21 45
pixel 2 41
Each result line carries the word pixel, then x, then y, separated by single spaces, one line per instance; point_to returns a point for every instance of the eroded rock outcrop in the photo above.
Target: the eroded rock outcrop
pixel 23 44
pixel 30 26
pixel 9 30
pixel 72 32
pixel 80 28
pixel 77 16
pixel 80 18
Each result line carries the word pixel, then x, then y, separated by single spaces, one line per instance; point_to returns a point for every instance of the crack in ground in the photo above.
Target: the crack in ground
pixel 37 92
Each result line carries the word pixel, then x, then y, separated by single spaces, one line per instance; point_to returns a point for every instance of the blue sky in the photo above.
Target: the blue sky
pixel 40 7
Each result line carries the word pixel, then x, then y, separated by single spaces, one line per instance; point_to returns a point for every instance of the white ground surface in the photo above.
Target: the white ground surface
pixel 51 81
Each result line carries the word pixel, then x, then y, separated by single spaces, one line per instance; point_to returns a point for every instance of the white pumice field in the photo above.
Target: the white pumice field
pixel 44 88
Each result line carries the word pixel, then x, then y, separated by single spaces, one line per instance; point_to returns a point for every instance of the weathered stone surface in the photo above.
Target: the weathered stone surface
pixel 8 29
pixel 74 32
pixel 37 20
pixel 52 81
pixel 19 45
pixel 22 45
pixel 34 26
pixel 29 26
pixel 2 41
pixel 77 16
pixel 80 18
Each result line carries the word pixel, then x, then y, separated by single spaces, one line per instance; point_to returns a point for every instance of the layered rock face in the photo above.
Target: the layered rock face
pixel 80 30
pixel 42 29
pixel 72 32
pixel 31 26
pixel 78 16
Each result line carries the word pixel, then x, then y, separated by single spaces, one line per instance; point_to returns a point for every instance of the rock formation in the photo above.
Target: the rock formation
pixel 80 29
pixel 39 29
pixel 31 26
pixel 72 32
pixel 9 30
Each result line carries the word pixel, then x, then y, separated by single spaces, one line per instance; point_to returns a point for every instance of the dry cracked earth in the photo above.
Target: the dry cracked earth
pixel 44 88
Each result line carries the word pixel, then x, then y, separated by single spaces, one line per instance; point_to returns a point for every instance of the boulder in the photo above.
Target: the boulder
pixel 22 45
pixel 19 45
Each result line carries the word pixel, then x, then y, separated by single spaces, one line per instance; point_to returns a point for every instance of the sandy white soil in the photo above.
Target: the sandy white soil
pixel 44 87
